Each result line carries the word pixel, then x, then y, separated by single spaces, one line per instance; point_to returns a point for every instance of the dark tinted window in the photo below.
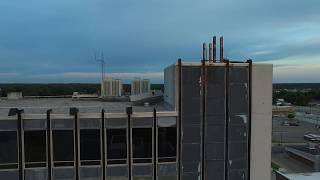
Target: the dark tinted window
pixel 63 153
pixel 142 145
pixel 90 146
pixel 167 144
pixel 35 148
pixel 117 146
pixel 8 149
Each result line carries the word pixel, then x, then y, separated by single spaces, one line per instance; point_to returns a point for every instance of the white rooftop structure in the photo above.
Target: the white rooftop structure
pixel 14 95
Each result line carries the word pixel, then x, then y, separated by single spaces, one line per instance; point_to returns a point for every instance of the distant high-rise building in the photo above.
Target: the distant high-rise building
pixel 111 87
pixel 145 86
pixel 135 86
pixel 139 86
pixel 116 87
pixel 106 87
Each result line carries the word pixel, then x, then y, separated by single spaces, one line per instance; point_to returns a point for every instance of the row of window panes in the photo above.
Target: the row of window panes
pixel 90 154
pixel 143 178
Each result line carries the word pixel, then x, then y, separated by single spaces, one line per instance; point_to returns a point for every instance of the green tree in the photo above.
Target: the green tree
pixel 291 116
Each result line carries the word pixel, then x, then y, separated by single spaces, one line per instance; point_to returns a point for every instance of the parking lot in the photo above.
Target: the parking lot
pixel 283 135
pixel 291 134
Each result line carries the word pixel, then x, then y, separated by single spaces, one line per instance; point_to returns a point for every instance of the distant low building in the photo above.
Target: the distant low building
pixel 282 110
pixel 282 102
pixel 77 95
pixel 14 95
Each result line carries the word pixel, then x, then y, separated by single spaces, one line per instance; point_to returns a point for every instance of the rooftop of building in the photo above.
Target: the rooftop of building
pixel 62 106
pixel 302 176
pixel 307 149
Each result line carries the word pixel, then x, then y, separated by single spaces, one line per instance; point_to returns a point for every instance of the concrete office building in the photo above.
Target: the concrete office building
pixel 215 129
pixel 139 86
pixel 111 87
pixel 226 114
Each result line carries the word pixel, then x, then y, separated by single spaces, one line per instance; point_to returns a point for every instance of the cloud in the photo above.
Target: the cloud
pixel 297 73
pixel 57 36
pixel 79 77
pixel 5 75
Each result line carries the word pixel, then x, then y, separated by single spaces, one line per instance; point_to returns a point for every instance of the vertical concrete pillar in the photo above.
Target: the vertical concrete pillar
pixel 261 122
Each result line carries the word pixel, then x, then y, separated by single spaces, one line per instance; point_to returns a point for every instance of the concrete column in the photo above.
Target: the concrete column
pixel 261 122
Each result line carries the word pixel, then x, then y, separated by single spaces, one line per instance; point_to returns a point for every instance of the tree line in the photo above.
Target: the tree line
pixel 59 89
pixel 298 98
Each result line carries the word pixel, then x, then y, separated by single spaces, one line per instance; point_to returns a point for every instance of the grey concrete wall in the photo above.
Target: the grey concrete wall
pixel 171 85
pixel 261 122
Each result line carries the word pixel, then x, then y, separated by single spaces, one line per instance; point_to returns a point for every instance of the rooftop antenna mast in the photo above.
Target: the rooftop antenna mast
pixel 102 63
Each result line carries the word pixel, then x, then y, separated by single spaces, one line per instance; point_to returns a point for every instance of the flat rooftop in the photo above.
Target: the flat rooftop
pixel 304 148
pixel 62 105
pixel 302 176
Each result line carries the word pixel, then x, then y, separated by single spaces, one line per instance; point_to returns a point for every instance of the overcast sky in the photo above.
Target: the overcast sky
pixel 46 41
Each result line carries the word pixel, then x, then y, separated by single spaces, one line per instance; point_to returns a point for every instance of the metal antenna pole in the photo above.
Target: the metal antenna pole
pixel 102 63
pixel 102 67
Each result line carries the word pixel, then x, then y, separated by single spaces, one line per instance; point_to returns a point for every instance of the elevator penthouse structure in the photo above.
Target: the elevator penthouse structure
pixel 218 127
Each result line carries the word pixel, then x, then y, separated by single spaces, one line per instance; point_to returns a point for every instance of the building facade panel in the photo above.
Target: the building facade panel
pixel 63 173
pixel 9 174
pixel 190 122
pixel 36 174
pixel 238 133
pixel 7 125
pixel 90 173
pixel 214 123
